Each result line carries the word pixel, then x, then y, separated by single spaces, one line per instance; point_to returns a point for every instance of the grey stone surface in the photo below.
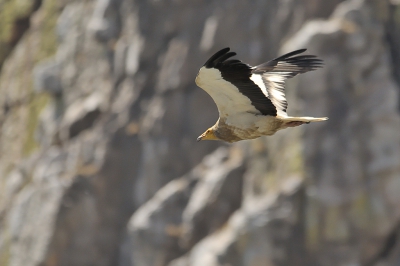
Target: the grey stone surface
pixel 263 235
pixel 47 78
pixel 216 196
pixel 186 209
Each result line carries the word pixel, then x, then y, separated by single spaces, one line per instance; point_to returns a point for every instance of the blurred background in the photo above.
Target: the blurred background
pixel 99 116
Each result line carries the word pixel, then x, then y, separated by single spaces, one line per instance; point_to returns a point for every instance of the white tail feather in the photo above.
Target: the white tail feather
pixel 304 119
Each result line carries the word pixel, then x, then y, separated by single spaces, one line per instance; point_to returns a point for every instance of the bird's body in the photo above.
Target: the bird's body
pixel 251 100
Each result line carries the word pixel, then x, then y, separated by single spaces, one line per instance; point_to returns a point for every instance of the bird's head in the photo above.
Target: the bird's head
pixel 208 135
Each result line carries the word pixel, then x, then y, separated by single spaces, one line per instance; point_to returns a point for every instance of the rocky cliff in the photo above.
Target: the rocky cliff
pixel 99 163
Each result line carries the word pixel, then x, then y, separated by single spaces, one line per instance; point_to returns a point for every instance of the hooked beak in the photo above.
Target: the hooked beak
pixel 199 138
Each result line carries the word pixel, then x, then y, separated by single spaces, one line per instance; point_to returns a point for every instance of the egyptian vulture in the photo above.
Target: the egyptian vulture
pixel 251 100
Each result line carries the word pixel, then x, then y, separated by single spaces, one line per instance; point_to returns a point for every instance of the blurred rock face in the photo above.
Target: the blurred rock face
pixel 99 163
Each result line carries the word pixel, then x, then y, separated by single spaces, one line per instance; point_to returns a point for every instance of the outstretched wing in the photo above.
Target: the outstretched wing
pixel 239 88
pixel 272 75
pixel 228 83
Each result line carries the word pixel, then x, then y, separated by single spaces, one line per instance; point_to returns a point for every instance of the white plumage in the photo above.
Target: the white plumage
pixel 229 101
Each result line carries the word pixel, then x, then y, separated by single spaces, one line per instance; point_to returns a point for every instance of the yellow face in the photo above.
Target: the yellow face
pixel 208 135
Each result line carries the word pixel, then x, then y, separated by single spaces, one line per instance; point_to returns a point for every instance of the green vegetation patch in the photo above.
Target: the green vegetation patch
pixel 10 11
pixel 35 107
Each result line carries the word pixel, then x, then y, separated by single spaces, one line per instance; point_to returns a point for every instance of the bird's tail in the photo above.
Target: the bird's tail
pixel 304 119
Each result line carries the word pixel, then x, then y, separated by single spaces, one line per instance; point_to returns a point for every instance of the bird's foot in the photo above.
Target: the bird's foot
pixel 295 123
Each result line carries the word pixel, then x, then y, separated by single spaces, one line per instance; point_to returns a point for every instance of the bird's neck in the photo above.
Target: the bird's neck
pixel 219 124
pixel 224 132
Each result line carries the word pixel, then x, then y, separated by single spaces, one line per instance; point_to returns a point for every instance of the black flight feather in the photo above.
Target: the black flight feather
pixel 238 73
pixel 290 63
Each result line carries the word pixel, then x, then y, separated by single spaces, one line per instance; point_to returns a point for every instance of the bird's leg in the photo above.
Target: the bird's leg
pixel 295 123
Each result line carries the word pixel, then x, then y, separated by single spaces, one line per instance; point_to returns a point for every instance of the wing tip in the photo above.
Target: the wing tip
pixel 210 62
pixel 294 63
pixel 302 50
pixel 291 54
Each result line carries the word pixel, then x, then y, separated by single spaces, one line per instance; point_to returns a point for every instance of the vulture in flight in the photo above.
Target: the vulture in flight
pixel 251 100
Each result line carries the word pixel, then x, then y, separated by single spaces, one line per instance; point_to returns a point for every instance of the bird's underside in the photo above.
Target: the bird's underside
pixel 259 126
pixel 251 100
